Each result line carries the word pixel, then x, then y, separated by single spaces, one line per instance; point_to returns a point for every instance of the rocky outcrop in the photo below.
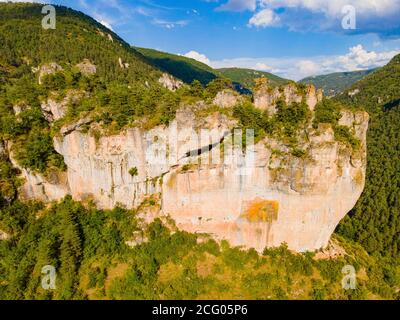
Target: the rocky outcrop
pixel 4 236
pixel 53 187
pixel 48 69
pixel 53 109
pixel 169 82
pixel 227 99
pixel 20 107
pixel 281 198
pixel 86 67
pixel 122 64
pixel 266 97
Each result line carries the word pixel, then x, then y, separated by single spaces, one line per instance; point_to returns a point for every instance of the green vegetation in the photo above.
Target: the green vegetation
pixel 181 67
pixel 287 121
pixel 87 248
pixel 328 112
pixel 375 220
pixel 336 83
pixel 134 172
pixel 188 70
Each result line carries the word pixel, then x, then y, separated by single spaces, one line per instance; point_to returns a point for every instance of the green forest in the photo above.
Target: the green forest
pixel 375 221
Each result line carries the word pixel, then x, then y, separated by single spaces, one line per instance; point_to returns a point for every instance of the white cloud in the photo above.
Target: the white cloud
pixel 373 16
pixel 238 5
pixel 107 24
pixel 169 24
pixel 264 18
pixel 334 8
pixel 197 56
pixel 262 67
pixel 357 58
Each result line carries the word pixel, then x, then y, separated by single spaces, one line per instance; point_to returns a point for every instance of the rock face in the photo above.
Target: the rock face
pixel 266 97
pixel 278 198
pixel 226 99
pixel 86 67
pixel 47 69
pixel 170 82
pixel 53 110
pixel 4 236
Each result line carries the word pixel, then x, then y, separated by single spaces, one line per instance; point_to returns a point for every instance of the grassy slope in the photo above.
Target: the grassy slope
pixel 335 83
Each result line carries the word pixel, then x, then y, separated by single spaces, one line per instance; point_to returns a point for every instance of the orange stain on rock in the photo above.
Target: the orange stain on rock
pixel 260 210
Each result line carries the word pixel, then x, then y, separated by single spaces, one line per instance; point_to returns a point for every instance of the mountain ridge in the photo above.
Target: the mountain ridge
pixel 337 82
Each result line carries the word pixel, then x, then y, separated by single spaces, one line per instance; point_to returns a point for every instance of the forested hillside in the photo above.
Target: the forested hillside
pixel 189 70
pixel 186 69
pixel 375 221
pixel 335 83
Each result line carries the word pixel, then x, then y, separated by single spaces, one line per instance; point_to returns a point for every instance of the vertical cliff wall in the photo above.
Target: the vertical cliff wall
pixel 280 198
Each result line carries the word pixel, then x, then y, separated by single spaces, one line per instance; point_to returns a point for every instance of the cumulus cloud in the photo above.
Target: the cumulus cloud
pixel 357 58
pixel 264 18
pixel 372 16
pixel 197 56
pixel 334 8
pixel 262 67
pixel 107 24
pixel 238 5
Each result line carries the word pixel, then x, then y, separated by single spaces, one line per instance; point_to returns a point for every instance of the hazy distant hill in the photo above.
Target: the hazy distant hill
pixel 335 83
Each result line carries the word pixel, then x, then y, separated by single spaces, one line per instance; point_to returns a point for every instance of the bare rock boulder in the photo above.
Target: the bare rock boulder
pixel 169 82
pixel 86 67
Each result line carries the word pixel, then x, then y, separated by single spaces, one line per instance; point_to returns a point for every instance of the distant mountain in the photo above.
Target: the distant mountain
pixel 183 68
pixel 335 83
pixel 247 76
pixel 188 70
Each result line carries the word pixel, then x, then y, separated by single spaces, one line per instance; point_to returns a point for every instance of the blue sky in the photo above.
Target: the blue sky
pixel 292 38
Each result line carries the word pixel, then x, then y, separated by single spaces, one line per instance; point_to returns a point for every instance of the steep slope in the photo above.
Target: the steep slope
pixel 375 221
pixel 335 83
pixel 181 67
pixel 189 70
pixel 76 37
pixel 246 77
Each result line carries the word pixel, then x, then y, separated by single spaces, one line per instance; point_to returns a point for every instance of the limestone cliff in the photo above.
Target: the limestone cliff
pixel 281 198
